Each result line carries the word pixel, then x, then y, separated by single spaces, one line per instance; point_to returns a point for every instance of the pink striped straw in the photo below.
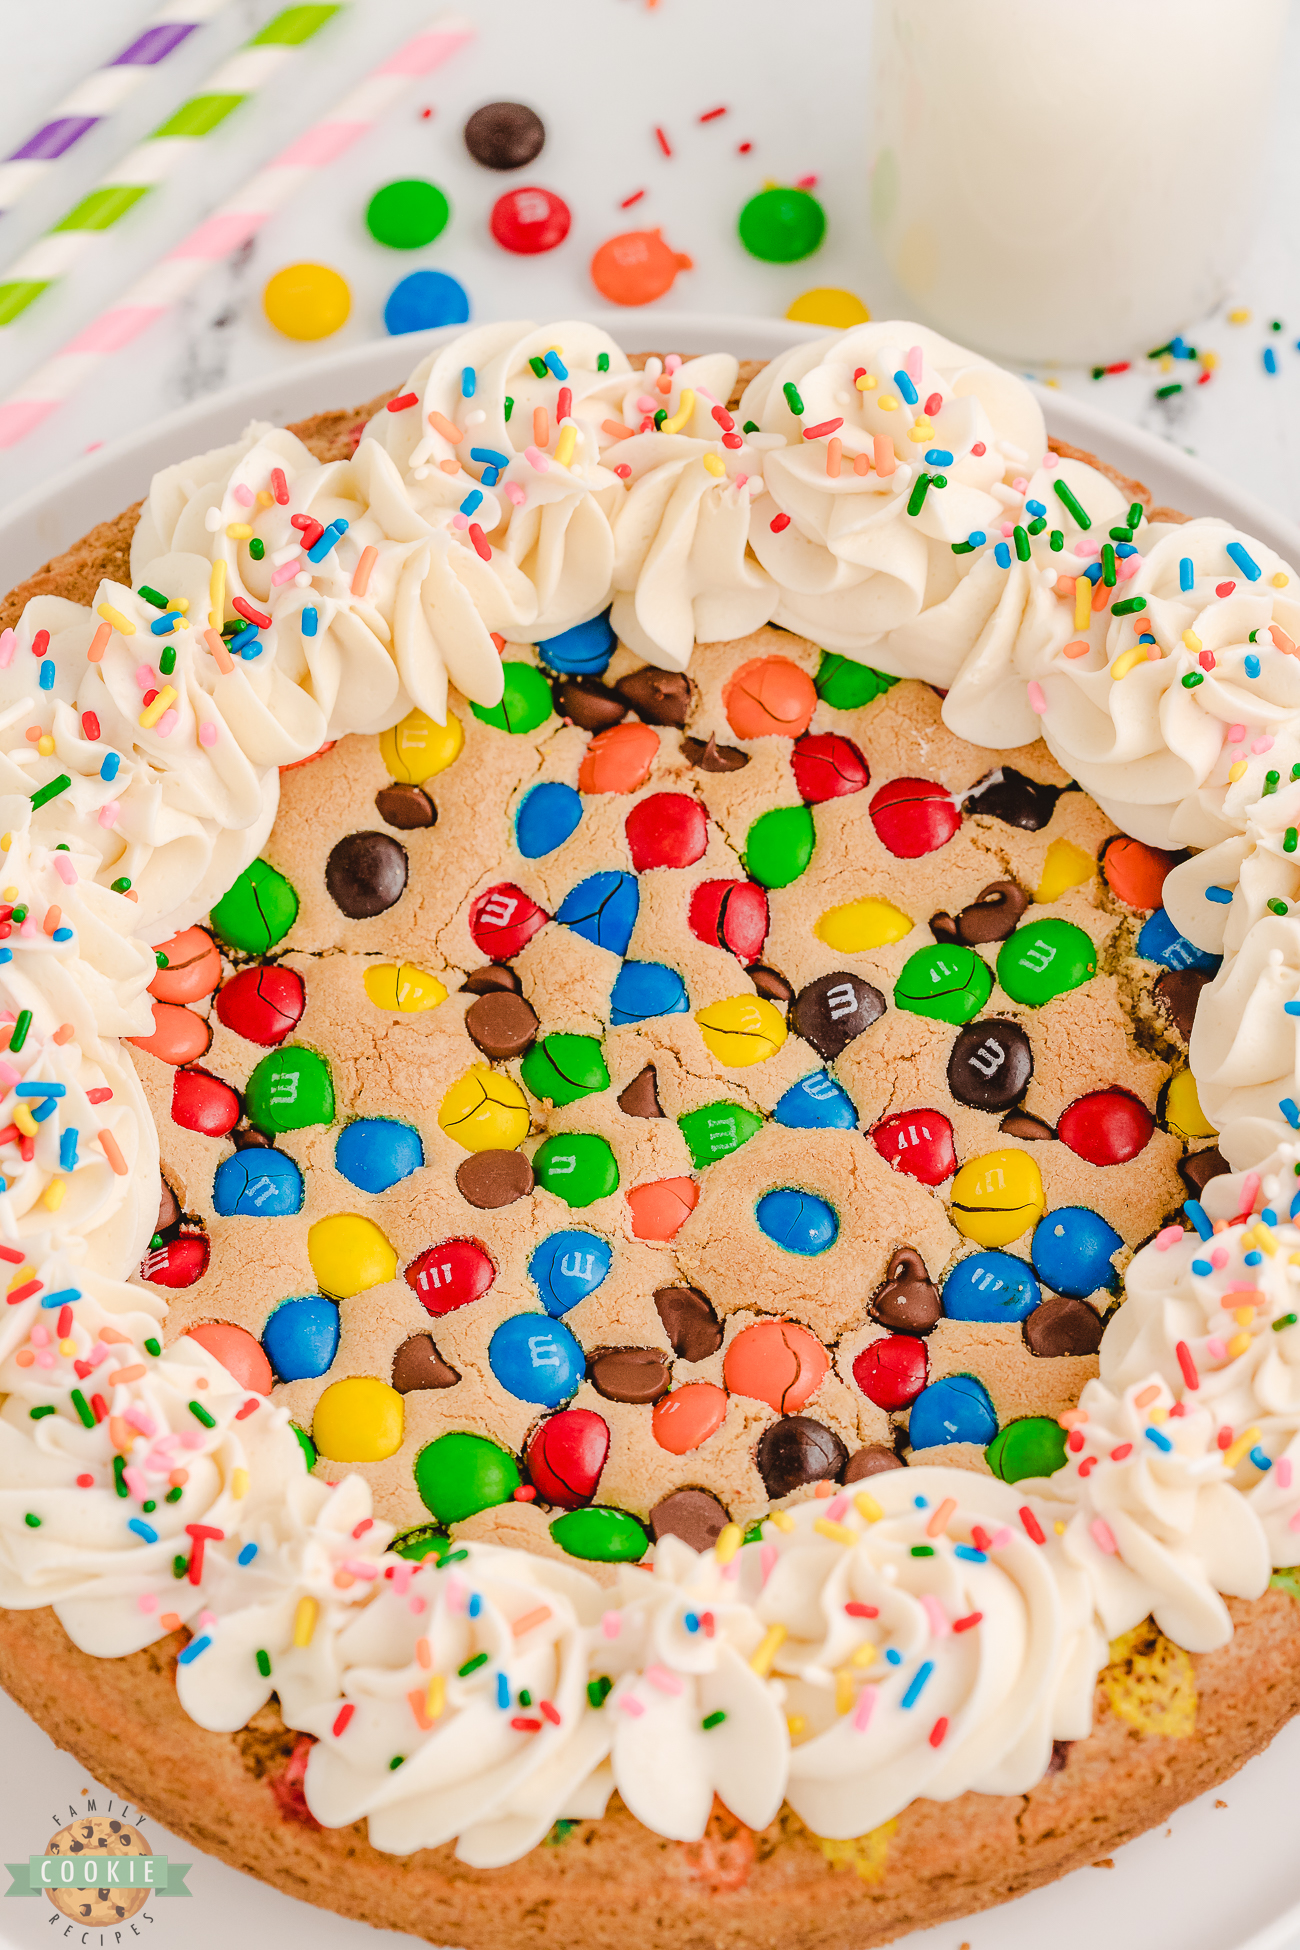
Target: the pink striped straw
pixel 228 228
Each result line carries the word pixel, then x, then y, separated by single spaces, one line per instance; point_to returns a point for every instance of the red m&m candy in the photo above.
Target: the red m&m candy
pixel 1136 873
pixel 263 1004
pixel 769 697
pixel 827 766
pixel 503 919
pixel 181 1262
pixel 450 1275
pixel 619 760
pixel 891 1372
pixel 918 1142
pixel 914 816
pixel 730 914
pixel 530 220
pixel 202 1102
pixel 566 1456
pixel 193 967
pixel 669 829
pixel 1107 1127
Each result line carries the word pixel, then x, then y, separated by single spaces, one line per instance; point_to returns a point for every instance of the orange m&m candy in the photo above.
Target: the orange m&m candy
pixel 769 697
pixel 239 1354
pixel 636 267
pixel 193 967
pixel 661 1209
pixel 619 760
pixel 688 1417
pixel 776 1362
pixel 179 1036
pixel 1135 873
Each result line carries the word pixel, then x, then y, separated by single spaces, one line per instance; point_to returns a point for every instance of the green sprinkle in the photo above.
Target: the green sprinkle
pixel 472 1665
pixel 149 1507
pixel 1284 1320
pixel 563 1828
pixel 83 1408
pixel 1192 679
pixel 395 1763
pixel 122 886
pixel 916 498
pixel 174 1496
pixel 119 1475
pixel 21 1028
pixel 19 914
pixel 598 1690
pixel 152 596
pixel 45 793
pixel 1108 575
pixel 264 1664
pixel 963 548
pixel 709 1721
pixel 792 398
pixel 1295 772
pixel 1129 607
pixel 539 367
pixel 1071 504
pixel 1271 782
pixel 750 426
pixel 38 1414
pixel 1289 842
pixel 155 1243
pixel 602 362
pixel 754 1535
pixel 257 548
pixel 1038 524
pixel 1135 514
pixel 32 1521
pixel 153 1347
pixel 1253 637
pixel 200 1414
pixel 1159 351
pixel 923 1550
pixel 660 417
pixel 1277 907
pixel 180 1565
pixel 167 662
pixel 1167 392
pixel 1121 534
pixel 510 406
pixel 1056 541
pixel 1021 541
pixel 525 1697
pixel 455 1557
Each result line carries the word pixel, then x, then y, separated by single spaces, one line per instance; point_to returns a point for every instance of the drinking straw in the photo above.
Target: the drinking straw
pixel 172 143
pixel 93 100
pixel 229 227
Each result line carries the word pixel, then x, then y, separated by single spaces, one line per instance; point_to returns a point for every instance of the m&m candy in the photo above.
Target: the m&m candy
pixel 192 968
pixel 504 919
pixel 715 1130
pixel 997 1197
pixel 529 221
pixel 857 926
pixel 730 914
pixel 525 703
pixel 947 983
pixel 798 1221
pixel 407 214
pixel 1160 941
pixel 179 1262
pixel 603 908
pixel 1071 1250
pixel 769 697
pixel 401 985
pixel 846 685
pixel 263 1005
pixel 547 816
pixel 688 1417
pixel 458 1475
pixel 990 1064
pixel 891 1372
pixel 349 1253
pixel 306 301
pixel 914 816
pixel 418 747
pixel 238 1353
pixel 827 766
pixel 536 1359
pixel 1180 1108
pixel 957 1409
pixel 1044 959
pixel 179 1035
pixel 817 1103
pixel 660 1209
pixel 450 1275
pixel 1034 1446
pixel 1066 866
pixel 424 299
pixel 669 829
pixel 798 1450
pixel 743 1030
pixel 636 267
pixel 618 760
pixel 561 1069
pixel 919 1143
pixel 301 1338
pixel 782 225
pixel 779 845
pixel 203 1103
pixel 289 1090
pixel 1107 1127
pixel 258 911
pixel 601 1536
pixel 577 1166
pixel 829 305
pixel 359 1420
pixel 566 1456
pixel 646 988
pixel 374 1153
pixel 1136 873
pixel 567 1266
pixel 485 1111
pixel 990 1286
pixel 582 651
pixel 257 1182
pixel 777 1362
pixel 835 1009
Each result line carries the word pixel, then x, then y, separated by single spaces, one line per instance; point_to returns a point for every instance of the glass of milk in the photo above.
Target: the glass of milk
pixel 1070 183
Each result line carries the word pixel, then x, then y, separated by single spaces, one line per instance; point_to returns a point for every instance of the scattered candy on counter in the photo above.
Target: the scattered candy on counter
pixel 307 301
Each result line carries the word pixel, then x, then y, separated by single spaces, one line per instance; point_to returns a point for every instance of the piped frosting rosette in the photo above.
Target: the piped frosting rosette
pixel 1245 1043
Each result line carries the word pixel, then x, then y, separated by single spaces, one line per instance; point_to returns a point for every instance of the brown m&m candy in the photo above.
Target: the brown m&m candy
pixel 588 703
pixel 795 1451
pixel 629 1374
pixel 405 806
pixel 365 874
pixel 713 757
pixel 490 1179
pixel 504 135
pixel 689 1321
pixel 418 1364
pixel 1014 799
pixel 658 696
pixel 641 1097
pixel 484 981
pixel 991 916
pixel 772 985
pixel 991 1064
pixel 1178 991
pixel 502 1024
pixel 693 1515
pixel 834 1009
pixel 870 1461
pixel 1063 1326
pixel 1199 1167
pixel 908 1302
pixel 1019 1123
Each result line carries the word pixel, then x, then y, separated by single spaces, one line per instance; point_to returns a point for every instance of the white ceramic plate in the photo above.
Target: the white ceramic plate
pixel 1218 1878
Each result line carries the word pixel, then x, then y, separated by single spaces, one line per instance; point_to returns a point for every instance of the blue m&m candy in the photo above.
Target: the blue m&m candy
pixel 1160 941
pixel 1071 1251
pixel 376 1152
pixel 603 908
pixel 549 813
pixel 647 988
pixel 425 299
pixel 957 1409
pixel 301 1338
pixel 817 1103
pixel 258 1183
pixel 536 1359
pixel 799 1221
pixel 567 1266
pixel 990 1286
pixel 582 651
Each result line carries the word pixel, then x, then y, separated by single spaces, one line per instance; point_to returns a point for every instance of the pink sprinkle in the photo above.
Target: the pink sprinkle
pixel 612 1624
pixel 647 405
pixel 1215 1347
pixel 9 1076
pixel 1249 1187
pixel 416 1605
pixel 45 1359
pixel 460 521
pixel 632 1705
pixel 938 1617
pixel 1103 1537
pixel 1128 567
pixel 1236 732
pixel 835 1510
pixel 1000 1539
pixel 731 1571
pixel 913 364
pixel 1282 1472
pixel 1020 483
pixel 457 1596
pixel 285 571
pixel 167 724
pixel 537 460
pixel 360 1567
pixel 807 183
pixel 135 1482
pixel 402 1575
pixel 1219 1258
pixel 1034 692
pixel 191 1439
pixel 147 1601
pixel 1169 1237
pixel 108 814
pixel 28 929
pixel 244 495
pixel 767 1557
pixel 666 1681
pixel 515 494
pixel 672 362
pixel 740 480
pixel 8 641
pixel 206 1620
pixel 145 677
pixel 208 733
pixel 64 868
pixel 139 1418
pixel 1008 529
pixel 864 1709
pixel 1262 745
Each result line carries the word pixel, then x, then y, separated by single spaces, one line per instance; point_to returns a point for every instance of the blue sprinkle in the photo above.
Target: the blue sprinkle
pixel 472 500
pixel 1295 1206
pixel 1222 896
pixel 468 382
pixel 561 371
pixel 40 1090
pixel 193 1650
pixel 1179 347
pixel 109 770
pixel 489 456
pixel 1252 666
pixel 1291 1111
pixel 917 1687
pixel 247 1555
pixel 1270 359
pixel 1093 572
pixel 324 543
pixel 1246 563
pixel 894 1656
pixel 1002 556
pixel 691 1622
pixel 977 538
pixel 475 1605
pixel 1186 573
pixel 164 625
pixel 1254 1259
pixel 143 1529
pixel 1031 507
pixel 62 934
pixel 6 954
pixel 1146 637
pixel 247 635
pixel 920 1503
pixel 47 673
pixel 51 1104
pixel 938 457
pixel 68 1149
pixel 1260 1460
pixel 1268 1216
pixel 969 1554
pixel 490 476
pixel 1202 1267
pixel 310 621
pixel 1291 1008
pixel 1125 548
pixel 906 388
pixel 1161 1441
pixel 63 1298
pixel 503 1691
pixel 1196 1213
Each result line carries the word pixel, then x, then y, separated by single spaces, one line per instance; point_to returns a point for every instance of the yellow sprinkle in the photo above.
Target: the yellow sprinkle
pixel 1241 1446
pixel 121 623
pixel 564 446
pixel 1122 665
pixel 216 595
pixel 795 1724
pixel 939 1521
pixel 436 1697
pixel 867 383
pixel 24 1120
pixel 713 464
pixel 67 1348
pixel 1210 360
pixel 784 1521
pixel 1293 1259
pixel 729 1539
pixel 1158 1415
pixel 11 893
pixel 1237 771
pixel 238 531
pixel 1264 1239
pixel 1059 1528
pixel 1082 602
pixel 53 1195
pixel 918 433
pixel 6 841
pixel 839 1533
pixel 769 1645
pixel 685 408
pixel 1243 1315
pixel 867 1507
pixel 152 712
pixel 239 1484
pixel 180 603
pixel 45 746
pixel 1239 315
pixel 845 1696
pixel 1238 1345
pixel 1280 581
pixel 1191 641
pixel 304 1620
pixel 264 499
pixel 887 402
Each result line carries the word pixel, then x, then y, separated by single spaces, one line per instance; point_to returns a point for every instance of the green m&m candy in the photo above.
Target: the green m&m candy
pixel 426 1540
pixel 406 214
pixel 459 1474
pixel 577 1166
pixel 525 703
pixel 779 845
pixel 290 1089
pixel 1043 959
pixel 782 225
pixel 715 1129
pixel 258 911
pixel 947 983
pixel 306 1444
pixel 563 1068
pixel 1032 1447
pixel 846 685
pixel 602 1536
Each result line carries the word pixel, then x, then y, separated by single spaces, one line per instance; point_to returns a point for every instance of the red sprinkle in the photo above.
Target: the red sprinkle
pixel 90 726
pixel 249 1408
pixel 548 1712
pixel 1224 1438
pixel 856 1610
pixel 743 148
pixel 1188 1366
pixel 24 1292
pixel 279 486
pixel 623 471
pixel 522 1725
pixel 712 114
pixel 40 643
pixel 99 1096
pixel 85 1482
pixel 482 546
pixel 200 1533
pixel 980 1537
pixel 148 698
pixel 251 615
pixel 663 142
pixel 12 1254
pixel 724 419
pixel 1118 1454
pixel 934 404
pixel 342 1717
pixel 979 448
pixel 1074 1441
pixel 403 400
pixel 1119 365
pixel 100 1407
pixel 628 201
pixel 525 1493
pixel 498 643
pixel 967 1624
pixel 564 403
pixel 778 523
pixel 732 440
pixel 938 1730
pixel 64 1327
pixel 1033 1528
pixel 366 1523
pixel 1087 1466
pixel 1224 588
pixel 825 427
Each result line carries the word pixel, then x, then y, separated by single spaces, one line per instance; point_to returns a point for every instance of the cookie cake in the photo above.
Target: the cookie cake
pixel 649 1146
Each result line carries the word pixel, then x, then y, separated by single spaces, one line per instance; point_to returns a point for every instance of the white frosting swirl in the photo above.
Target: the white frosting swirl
pixel 1243 1047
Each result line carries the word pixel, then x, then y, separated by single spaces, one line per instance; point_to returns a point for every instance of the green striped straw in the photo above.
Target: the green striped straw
pixel 159 156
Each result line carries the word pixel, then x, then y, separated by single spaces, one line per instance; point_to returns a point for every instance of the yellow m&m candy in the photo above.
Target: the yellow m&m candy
pixel 1066 866
pixel 859 925
pixel 358 1420
pixel 348 1254
pixel 997 1197
pixel 393 986
pixel 307 301
pixel 485 1111
pixel 419 746
pixel 747 1029
pixel 1182 1111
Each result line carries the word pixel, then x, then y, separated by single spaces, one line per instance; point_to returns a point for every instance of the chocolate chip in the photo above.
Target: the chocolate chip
pixel 365 874
pixel 629 1374
pixel 489 1179
pixel 1063 1326
pixel 993 913
pixel 1015 799
pixel 501 1024
pixel 942 926
pixel 693 1515
pixel 1060 1754
pixel 1019 1123
pixel 418 1364
pixel 1178 991
pixel 908 1301
pixel 714 757
pixel 991 1064
pixel 770 982
pixel 870 1461
pixel 591 705
pixel 1199 1167
pixel 504 135
pixel 169 1212
pixel 247 1139
pixel 689 1322
pixel 834 1009
pixel 405 807
pixel 486 981
pixel 796 1450
pixel 641 1097
pixel 658 696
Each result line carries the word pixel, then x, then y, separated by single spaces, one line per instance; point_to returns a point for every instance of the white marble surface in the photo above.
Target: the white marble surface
pixel 602 73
